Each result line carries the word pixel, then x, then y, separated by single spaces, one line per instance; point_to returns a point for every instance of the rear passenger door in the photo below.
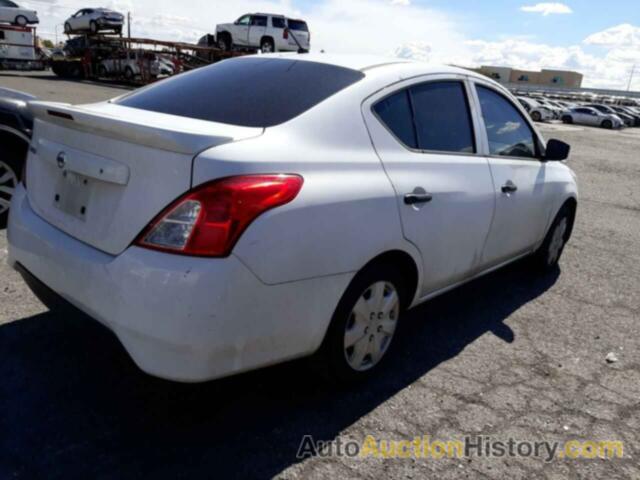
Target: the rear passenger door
pixel 522 196
pixel 423 132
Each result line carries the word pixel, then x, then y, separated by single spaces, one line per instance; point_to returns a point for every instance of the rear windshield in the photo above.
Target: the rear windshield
pixel 298 25
pixel 250 92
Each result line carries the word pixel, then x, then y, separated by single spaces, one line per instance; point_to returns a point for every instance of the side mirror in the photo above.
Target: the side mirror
pixel 556 151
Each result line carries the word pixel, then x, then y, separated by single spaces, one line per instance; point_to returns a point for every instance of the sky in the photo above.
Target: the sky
pixel 599 39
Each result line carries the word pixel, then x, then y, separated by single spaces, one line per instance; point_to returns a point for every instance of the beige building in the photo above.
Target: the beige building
pixel 551 78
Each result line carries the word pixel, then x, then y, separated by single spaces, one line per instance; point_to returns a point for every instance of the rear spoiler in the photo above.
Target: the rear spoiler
pixel 157 130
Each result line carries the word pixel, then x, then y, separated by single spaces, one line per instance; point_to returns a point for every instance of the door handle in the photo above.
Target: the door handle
pixel 417 198
pixel 509 187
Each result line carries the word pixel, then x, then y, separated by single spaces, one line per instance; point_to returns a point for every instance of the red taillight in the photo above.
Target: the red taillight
pixel 208 221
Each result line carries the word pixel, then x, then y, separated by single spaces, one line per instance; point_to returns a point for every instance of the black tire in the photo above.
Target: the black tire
pixel 11 163
pixel 128 74
pixel 608 124
pixel 568 119
pixel 102 71
pixel 224 42
pixel 267 45
pixel 536 117
pixel 21 20
pixel 547 257
pixel 93 27
pixel 331 359
pixel 118 30
pixel 67 28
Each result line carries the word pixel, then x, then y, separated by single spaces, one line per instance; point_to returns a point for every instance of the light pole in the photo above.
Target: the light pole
pixel 633 71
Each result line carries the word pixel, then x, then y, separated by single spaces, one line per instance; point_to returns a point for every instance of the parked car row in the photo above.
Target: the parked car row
pixel 542 109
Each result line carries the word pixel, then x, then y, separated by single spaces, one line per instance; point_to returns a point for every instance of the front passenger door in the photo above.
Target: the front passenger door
pixel 522 205
pixel 241 31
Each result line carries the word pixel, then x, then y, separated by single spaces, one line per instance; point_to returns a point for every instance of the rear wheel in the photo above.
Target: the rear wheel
pixel 267 46
pixel 567 119
pixel 10 167
pixel 103 72
pixel 67 28
pixel 93 27
pixel 128 74
pixel 21 20
pixel 607 124
pixel 364 325
pixel 536 117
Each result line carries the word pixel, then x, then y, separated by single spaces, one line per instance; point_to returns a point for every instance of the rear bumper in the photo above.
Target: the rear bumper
pixel 109 23
pixel 180 318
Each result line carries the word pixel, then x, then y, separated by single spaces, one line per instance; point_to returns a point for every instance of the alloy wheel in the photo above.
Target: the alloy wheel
pixel 371 326
pixel 8 184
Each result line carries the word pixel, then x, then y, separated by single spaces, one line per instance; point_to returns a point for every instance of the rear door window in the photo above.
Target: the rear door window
pixel 395 113
pixel 251 91
pixel 432 116
pixel 258 21
pixel 442 117
pixel 278 22
pixel 508 132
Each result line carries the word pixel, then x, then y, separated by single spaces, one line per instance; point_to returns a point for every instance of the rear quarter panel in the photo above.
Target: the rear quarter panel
pixel 346 213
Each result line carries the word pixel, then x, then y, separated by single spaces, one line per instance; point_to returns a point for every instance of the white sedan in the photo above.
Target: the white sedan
pixel 217 224
pixel 591 116
pixel 11 12
pixel 94 20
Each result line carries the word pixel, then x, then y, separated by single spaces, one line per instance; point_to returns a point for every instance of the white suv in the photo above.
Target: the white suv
pixel 269 33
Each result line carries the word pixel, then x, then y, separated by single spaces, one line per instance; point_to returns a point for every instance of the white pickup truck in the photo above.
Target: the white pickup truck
pixel 265 31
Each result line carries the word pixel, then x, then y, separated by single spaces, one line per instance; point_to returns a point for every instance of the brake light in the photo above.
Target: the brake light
pixel 285 34
pixel 209 220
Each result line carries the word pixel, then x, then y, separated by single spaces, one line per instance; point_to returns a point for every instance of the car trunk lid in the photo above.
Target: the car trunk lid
pixel 102 172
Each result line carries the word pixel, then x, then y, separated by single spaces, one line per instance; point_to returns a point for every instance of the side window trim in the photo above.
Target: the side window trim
pixel 483 130
pixel 471 110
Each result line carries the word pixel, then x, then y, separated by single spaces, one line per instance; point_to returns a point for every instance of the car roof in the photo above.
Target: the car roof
pixel 365 63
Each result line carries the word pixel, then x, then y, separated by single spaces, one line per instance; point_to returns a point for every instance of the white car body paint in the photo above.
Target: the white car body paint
pixel 248 33
pixel 590 116
pixel 10 12
pixel 104 19
pixel 193 319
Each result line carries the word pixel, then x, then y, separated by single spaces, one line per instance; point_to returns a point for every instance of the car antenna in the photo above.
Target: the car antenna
pixel 300 48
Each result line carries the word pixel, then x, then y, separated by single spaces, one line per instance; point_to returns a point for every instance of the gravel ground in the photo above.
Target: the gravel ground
pixel 511 355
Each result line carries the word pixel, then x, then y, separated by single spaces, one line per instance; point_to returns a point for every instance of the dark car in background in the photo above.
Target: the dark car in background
pixel 16 125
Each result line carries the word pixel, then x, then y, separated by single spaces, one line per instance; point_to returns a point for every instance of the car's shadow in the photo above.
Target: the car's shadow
pixel 72 404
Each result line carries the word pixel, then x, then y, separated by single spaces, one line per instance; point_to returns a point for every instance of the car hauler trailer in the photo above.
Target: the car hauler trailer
pixel 18 49
pixel 133 60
